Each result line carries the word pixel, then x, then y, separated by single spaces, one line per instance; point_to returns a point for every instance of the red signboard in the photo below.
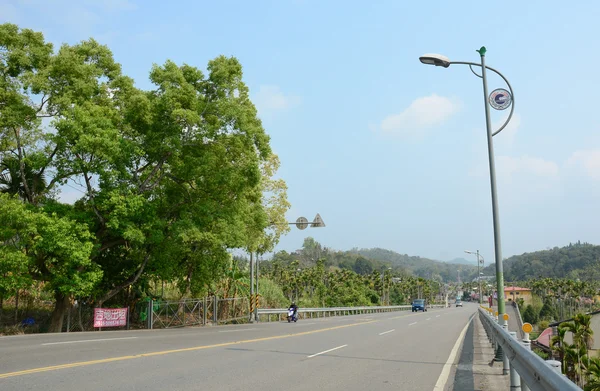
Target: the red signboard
pixel 110 317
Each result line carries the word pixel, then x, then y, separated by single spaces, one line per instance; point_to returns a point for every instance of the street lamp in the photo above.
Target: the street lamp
pixel 502 103
pixel 479 261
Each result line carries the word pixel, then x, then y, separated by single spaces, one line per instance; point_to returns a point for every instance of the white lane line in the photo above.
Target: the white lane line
pixel 326 351
pixel 428 319
pixel 87 340
pixel 386 332
pixel 233 331
pixel 307 324
pixel 437 316
pixel 412 323
pixel 443 379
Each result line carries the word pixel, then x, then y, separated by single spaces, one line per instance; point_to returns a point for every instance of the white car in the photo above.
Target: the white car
pixel 459 303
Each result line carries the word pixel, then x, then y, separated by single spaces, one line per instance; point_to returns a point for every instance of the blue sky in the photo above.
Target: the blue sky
pixel 390 152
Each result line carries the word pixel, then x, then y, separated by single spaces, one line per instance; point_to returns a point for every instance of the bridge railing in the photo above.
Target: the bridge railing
pixel 277 314
pixel 531 369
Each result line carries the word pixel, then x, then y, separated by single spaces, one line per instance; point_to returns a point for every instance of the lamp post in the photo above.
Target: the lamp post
pixel 443 61
pixel 478 272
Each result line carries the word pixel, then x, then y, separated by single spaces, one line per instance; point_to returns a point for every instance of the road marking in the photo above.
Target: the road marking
pixel 86 340
pixel 165 352
pixel 443 379
pixel 437 316
pixel 412 323
pixel 404 316
pixel 428 319
pixel 389 331
pixel 233 331
pixel 326 351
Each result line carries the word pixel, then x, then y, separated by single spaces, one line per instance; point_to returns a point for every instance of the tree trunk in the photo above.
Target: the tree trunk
pixel 17 307
pixel 126 284
pixel 61 305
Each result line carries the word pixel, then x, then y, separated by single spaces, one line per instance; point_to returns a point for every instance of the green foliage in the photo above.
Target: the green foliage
pixel 530 315
pixel 44 247
pixel 575 261
pixel 542 354
pixel 418 266
pixel 363 266
pixel 520 303
pixel 543 325
pixel 271 294
pixel 173 177
pixel 548 312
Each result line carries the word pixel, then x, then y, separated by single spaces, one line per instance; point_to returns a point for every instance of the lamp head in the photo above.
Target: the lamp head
pixel 435 59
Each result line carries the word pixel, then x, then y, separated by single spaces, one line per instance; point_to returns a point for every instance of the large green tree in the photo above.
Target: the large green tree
pixel 172 178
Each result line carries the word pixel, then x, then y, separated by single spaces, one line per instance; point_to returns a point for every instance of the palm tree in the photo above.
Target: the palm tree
pixel 11 180
pixel 583 340
pixel 571 357
pixel 593 374
pixel 558 346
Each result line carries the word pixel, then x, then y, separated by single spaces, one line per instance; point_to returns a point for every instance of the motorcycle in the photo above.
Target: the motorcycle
pixel 291 316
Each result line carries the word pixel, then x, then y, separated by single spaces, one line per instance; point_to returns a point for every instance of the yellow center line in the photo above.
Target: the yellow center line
pixel 165 352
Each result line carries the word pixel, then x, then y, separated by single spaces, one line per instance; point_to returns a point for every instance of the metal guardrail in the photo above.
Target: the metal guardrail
pixel 336 311
pixel 536 373
pixel 519 317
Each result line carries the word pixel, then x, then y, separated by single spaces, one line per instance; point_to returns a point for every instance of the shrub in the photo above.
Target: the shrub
pixel 530 315
pixel 11 330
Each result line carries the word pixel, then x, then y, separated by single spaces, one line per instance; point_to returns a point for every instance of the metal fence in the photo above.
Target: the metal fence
pixel 196 312
pixel 528 371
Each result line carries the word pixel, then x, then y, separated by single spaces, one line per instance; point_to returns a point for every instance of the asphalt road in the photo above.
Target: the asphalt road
pixel 389 351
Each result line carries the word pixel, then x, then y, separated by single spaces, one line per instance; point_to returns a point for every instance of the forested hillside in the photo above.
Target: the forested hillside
pixel 365 261
pixel 577 260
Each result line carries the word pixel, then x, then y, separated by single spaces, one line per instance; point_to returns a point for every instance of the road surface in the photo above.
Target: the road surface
pixel 388 351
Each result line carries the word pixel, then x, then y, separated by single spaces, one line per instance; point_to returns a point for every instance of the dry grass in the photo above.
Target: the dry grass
pixel 11 330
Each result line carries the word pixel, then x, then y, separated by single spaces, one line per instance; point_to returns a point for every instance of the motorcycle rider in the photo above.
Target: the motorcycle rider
pixel 294 307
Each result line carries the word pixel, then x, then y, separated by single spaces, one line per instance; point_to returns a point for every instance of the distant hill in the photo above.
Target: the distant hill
pixel 419 266
pixel 462 261
pixel 577 260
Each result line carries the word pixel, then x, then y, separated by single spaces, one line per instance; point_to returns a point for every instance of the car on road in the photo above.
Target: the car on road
pixel 459 303
pixel 419 305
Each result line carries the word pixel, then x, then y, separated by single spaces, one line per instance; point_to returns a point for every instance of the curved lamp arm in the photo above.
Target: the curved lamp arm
pixel 512 106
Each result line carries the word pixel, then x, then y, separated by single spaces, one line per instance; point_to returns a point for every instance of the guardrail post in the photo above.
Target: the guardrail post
pixel 555 365
pixel 215 310
pixel 515 379
pixel 150 314
pixel 527 345
pixel 505 362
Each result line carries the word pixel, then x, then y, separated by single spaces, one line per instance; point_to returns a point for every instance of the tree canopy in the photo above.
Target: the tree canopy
pixel 171 178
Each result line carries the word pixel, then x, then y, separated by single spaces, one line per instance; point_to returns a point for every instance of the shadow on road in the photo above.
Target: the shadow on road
pixel 463 379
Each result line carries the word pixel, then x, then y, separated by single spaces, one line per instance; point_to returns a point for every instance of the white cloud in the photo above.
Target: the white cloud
pixel 422 113
pixel 589 160
pixel 508 166
pixel 270 98
pixel 507 136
